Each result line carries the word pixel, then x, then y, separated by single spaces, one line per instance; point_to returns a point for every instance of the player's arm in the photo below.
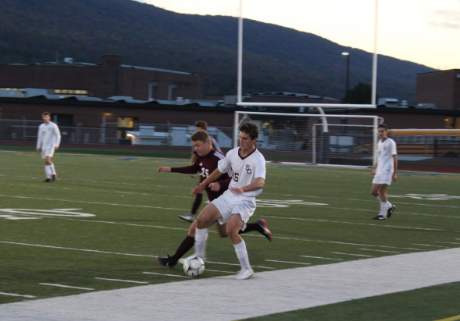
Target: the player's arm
pixel 395 167
pixel 57 134
pixel 193 159
pixel 192 169
pixel 220 185
pixel 39 140
pixel 211 178
pixel 374 170
pixel 258 183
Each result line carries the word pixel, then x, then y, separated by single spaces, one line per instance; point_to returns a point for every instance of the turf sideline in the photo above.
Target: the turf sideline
pixel 224 298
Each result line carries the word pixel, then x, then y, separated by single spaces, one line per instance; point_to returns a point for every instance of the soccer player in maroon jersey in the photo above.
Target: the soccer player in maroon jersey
pixel 199 125
pixel 205 164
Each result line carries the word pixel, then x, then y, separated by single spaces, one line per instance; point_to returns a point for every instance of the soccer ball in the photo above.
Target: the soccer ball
pixel 193 266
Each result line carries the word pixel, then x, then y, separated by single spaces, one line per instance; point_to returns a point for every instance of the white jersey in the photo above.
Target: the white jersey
pixel 48 136
pixel 244 170
pixel 385 151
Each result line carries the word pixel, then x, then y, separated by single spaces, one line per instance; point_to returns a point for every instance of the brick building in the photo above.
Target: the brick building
pixel 441 88
pixel 107 79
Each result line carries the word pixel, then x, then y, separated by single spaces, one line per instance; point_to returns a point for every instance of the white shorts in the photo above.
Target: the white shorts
pixel 384 178
pixel 47 152
pixel 230 203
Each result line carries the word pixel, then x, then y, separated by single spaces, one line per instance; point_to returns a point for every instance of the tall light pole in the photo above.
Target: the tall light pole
pixel 347 77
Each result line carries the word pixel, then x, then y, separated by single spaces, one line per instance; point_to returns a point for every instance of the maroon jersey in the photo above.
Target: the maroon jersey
pixel 205 165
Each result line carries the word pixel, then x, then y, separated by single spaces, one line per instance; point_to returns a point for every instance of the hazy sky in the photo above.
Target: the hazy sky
pixel 421 31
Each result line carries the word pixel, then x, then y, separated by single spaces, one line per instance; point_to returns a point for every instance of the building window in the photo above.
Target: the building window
pixel 71 92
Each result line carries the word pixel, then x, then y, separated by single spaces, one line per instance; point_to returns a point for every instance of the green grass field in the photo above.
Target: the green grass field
pixel 108 216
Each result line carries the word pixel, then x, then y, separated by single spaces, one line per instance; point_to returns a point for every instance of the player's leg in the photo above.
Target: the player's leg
pixel 207 217
pixel 190 217
pixel 260 226
pixel 48 170
pixel 386 207
pixel 234 225
pixel 184 247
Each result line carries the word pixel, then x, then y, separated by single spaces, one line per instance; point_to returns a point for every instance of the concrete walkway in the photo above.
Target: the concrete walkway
pixel 224 298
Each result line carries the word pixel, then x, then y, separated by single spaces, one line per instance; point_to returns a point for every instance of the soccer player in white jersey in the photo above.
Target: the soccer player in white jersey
pixel 238 203
pixel 203 126
pixel 384 172
pixel 48 140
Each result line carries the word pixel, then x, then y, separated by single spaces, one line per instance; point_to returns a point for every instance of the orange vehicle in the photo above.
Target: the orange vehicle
pixel 427 142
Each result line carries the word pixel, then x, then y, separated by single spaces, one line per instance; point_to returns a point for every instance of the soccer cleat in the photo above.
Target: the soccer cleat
pixel 165 261
pixel 48 180
pixel 245 274
pixel 379 217
pixel 264 229
pixel 188 217
pixel 53 177
pixel 390 210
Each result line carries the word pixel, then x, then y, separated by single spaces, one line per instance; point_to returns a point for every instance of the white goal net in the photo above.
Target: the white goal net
pixel 314 138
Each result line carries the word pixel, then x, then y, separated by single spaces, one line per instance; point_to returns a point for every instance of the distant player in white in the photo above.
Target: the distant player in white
pixel 48 140
pixel 238 203
pixel 384 172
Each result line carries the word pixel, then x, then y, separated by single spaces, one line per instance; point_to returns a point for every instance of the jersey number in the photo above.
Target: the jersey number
pixel 204 172
pixel 235 177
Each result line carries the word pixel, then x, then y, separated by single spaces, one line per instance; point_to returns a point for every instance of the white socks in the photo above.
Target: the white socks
pixel 201 235
pixel 242 255
pixel 48 171
pixel 53 171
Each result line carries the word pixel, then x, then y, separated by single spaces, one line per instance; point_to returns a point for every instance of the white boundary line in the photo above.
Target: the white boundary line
pixel 381 251
pixel 352 254
pixel 442 247
pixel 66 286
pixel 19 295
pixel 118 280
pixel 75 249
pixel 322 258
pixel 164 274
pixel 288 262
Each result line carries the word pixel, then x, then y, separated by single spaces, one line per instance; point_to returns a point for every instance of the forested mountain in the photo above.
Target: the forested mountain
pixel 275 58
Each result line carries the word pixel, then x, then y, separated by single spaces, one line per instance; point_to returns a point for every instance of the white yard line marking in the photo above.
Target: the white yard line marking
pixel 289 262
pixel 19 295
pixel 448 242
pixel 352 254
pixel 237 264
pixel 221 271
pixel 355 223
pixel 75 249
pixel 347 243
pixel 320 257
pixel 164 274
pixel 380 251
pixel 431 245
pixel 89 202
pixel 66 286
pixel 118 280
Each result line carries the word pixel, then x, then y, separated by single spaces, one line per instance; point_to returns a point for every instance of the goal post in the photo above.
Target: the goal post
pixel 319 139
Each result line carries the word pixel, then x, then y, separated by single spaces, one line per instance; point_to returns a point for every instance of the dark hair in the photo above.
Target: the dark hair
pixel 384 126
pixel 250 129
pixel 201 124
pixel 45 113
pixel 201 136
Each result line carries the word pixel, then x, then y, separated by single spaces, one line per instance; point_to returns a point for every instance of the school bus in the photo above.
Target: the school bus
pixel 427 142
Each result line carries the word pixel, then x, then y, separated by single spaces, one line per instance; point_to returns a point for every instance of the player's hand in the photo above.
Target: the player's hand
pixel 214 186
pixel 197 189
pixel 163 169
pixel 394 177
pixel 237 190
pixel 372 174
pixel 192 176
pixel 56 148
pixel 38 150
